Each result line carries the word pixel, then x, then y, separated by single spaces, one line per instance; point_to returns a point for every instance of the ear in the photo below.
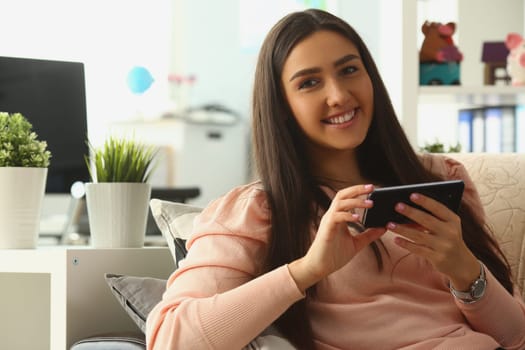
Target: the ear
pixel 513 40
pixel 425 27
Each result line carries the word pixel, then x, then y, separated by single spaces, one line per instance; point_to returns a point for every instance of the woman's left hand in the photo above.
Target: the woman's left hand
pixel 438 238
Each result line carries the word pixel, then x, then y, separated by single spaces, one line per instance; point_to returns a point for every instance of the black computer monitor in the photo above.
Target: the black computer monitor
pixel 51 94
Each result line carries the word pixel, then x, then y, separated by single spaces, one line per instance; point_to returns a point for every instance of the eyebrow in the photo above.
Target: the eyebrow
pixel 337 63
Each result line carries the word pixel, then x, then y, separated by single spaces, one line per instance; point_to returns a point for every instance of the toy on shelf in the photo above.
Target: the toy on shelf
pixel 494 56
pixel 439 57
pixel 516 58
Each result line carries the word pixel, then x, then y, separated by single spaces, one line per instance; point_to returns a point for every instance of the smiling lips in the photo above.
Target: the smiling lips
pixel 341 119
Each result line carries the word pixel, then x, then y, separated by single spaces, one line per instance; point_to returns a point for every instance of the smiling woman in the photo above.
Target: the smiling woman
pixel 279 251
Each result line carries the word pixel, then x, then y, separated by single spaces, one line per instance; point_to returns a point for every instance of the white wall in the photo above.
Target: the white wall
pixel 488 20
pixel 109 36
pixel 197 37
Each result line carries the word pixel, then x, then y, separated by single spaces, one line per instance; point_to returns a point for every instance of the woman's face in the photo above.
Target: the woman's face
pixel 329 92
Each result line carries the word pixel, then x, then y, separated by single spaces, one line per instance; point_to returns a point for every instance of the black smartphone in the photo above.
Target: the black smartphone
pixel 385 198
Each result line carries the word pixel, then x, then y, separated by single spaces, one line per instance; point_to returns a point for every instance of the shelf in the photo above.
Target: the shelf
pixel 430 112
pixel 473 95
pixel 79 303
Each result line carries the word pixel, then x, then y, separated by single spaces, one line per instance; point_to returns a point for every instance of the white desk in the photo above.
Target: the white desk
pixel 51 297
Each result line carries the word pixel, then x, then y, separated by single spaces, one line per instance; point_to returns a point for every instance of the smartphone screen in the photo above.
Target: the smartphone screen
pixel 447 192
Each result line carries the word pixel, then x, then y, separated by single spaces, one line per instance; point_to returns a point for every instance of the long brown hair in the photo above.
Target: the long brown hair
pixel 385 156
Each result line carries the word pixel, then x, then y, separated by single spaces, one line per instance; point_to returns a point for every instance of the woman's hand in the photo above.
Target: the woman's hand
pixel 438 238
pixel 334 245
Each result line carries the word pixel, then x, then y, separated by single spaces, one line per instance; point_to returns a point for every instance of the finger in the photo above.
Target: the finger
pixel 419 216
pixel 437 208
pixel 345 216
pixel 354 191
pixel 417 234
pixel 352 203
pixel 418 249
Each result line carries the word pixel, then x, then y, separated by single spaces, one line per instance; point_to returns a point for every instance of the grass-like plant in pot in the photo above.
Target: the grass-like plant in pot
pixel 118 196
pixel 24 161
pixel 121 160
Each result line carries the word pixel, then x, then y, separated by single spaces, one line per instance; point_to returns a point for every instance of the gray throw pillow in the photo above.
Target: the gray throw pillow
pixel 175 221
pixel 137 295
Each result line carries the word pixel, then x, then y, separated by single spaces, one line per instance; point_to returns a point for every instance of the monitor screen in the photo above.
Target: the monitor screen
pixel 52 96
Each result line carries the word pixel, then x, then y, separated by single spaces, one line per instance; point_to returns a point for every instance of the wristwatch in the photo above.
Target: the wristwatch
pixel 476 290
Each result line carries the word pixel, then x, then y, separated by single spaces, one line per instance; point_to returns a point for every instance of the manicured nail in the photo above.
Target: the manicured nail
pixel 369 186
pixel 400 206
pixel 369 202
pixel 356 216
pixel 415 196
pixel 391 226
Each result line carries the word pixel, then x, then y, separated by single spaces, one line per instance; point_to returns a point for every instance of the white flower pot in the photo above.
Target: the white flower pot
pixel 117 213
pixel 21 194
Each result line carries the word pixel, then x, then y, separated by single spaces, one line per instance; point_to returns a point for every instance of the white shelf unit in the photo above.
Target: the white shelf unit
pixel 54 296
pixel 430 112
pixel 211 156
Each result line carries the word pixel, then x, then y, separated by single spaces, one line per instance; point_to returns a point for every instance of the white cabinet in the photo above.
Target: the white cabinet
pixel 54 296
pixel 430 112
pixel 212 156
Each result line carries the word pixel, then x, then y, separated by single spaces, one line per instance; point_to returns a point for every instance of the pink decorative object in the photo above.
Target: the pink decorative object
pixel 516 58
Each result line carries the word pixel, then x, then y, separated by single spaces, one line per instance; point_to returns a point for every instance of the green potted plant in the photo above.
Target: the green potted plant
pixel 438 147
pixel 118 196
pixel 23 173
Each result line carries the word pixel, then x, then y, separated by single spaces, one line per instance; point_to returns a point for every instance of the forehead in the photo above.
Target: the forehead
pixel 320 47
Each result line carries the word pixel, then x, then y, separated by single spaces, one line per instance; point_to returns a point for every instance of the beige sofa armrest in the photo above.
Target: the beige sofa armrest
pixel 500 181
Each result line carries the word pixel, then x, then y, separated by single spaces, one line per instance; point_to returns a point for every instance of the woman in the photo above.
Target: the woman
pixel 279 251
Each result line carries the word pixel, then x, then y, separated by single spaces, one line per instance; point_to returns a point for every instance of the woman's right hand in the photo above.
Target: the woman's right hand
pixel 334 245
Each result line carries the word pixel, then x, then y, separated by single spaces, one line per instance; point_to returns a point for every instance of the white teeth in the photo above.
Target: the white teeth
pixel 342 119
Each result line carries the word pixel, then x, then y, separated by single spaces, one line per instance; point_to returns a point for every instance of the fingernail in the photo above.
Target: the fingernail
pixel 369 202
pixel 369 186
pixel 400 206
pixel 356 216
pixel 414 196
pixel 391 225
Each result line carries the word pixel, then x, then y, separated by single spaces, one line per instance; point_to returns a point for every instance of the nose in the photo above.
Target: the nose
pixel 336 93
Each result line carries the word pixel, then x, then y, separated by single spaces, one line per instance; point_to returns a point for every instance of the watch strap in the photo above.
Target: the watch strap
pixel 476 290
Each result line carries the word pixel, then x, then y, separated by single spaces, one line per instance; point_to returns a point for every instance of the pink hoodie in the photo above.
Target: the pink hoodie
pixel 218 298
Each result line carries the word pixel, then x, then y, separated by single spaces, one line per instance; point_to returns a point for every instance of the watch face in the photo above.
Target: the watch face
pixel 478 289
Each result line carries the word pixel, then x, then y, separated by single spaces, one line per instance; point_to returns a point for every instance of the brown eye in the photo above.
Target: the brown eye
pixel 348 70
pixel 308 84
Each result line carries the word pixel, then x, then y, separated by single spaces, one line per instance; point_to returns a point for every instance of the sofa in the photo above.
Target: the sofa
pixel 500 181
pixel 499 178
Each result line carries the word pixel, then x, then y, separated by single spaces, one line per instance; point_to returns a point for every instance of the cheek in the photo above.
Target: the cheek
pixel 367 95
pixel 304 108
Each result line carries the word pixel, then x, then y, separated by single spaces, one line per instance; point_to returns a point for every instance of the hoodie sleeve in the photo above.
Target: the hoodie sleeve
pixel 219 298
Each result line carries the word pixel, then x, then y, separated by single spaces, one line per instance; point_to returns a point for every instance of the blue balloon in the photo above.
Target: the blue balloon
pixel 139 80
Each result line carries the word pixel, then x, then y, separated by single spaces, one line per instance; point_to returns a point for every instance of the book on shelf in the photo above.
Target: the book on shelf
pixel 491 129
pixel 508 128
pixel 478 130
pixel 520 129
pixel 493 139
pixel 465 129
